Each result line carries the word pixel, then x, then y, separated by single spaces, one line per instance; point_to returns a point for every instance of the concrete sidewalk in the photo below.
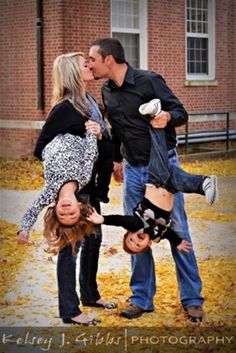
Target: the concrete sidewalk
pixel 14 204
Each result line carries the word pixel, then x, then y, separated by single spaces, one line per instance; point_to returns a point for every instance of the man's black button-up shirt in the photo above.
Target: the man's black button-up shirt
pixel 122 104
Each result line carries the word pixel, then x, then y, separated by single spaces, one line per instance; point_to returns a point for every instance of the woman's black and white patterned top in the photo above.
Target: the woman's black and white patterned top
pixel 65 158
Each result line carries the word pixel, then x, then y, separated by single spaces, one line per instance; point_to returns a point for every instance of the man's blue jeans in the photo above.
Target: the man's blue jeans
pixel 143 280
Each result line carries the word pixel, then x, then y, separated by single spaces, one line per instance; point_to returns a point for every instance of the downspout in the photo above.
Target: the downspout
pixel 40 76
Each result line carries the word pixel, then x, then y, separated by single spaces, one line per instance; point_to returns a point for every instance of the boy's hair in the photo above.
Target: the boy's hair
pixel 59 235
pixel 111 46
pixel 126 248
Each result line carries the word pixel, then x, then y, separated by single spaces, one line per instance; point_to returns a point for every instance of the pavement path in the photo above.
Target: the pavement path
pixel 219 239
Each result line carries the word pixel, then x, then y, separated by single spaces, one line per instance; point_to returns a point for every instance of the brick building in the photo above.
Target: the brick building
pixel 190 42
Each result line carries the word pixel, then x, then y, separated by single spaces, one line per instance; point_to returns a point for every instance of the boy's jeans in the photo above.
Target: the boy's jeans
pixel 162 172
pixel 143 282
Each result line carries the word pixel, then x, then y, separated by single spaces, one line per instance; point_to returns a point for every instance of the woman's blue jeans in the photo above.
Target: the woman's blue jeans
pixel 143 279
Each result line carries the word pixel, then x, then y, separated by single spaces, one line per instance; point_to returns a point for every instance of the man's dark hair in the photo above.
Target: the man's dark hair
pixel 111 46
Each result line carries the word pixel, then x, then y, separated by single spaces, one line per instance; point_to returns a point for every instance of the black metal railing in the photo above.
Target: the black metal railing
pixel 226 134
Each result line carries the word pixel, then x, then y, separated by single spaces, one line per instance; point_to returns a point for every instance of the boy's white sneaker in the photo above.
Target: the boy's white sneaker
pixel 210 187
pixel 151 108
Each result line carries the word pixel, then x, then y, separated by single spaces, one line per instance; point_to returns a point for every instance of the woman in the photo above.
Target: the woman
pixel 67 127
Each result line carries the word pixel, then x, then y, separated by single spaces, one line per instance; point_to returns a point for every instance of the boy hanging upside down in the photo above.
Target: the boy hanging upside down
pixel 150 222
pixel 151 219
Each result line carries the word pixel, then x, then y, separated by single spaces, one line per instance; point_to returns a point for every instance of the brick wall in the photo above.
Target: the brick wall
pixel 166 32
pixel 71 26
pixel 18 60
pixel 84 22
pixel 17 143
pixel 65 28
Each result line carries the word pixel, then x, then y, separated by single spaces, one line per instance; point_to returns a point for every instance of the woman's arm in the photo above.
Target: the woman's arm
pixel 62 119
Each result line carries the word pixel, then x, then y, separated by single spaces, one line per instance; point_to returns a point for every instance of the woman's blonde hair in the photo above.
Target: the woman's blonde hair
pixel 59 235
pixel 67 82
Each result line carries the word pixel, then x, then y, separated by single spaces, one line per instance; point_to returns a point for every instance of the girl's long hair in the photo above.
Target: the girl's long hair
pixel 67 82
pixel 59 235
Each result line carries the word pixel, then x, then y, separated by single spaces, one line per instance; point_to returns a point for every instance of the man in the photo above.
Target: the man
pixel 126 89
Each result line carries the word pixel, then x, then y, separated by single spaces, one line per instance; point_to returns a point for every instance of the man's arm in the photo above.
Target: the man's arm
pixel 118 158
pixel 173 112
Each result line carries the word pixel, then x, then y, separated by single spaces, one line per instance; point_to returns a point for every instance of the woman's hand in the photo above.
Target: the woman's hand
pixel 23 237
pixel 184 246
pixel 93 127
pixel 95 217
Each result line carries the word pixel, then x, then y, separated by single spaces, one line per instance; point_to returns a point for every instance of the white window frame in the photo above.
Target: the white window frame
pixel 141 31
pixel 211 44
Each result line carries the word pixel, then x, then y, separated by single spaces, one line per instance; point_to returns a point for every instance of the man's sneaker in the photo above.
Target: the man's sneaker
pixel 210 189
pixel 151 108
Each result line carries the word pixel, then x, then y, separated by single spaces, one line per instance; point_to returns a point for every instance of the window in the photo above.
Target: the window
pixel 129 25
pixel 200 39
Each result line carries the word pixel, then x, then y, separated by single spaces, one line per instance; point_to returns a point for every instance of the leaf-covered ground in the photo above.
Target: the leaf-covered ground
pixel 218 274
pixel 28 290
pixel 28 174
pixel 19 306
